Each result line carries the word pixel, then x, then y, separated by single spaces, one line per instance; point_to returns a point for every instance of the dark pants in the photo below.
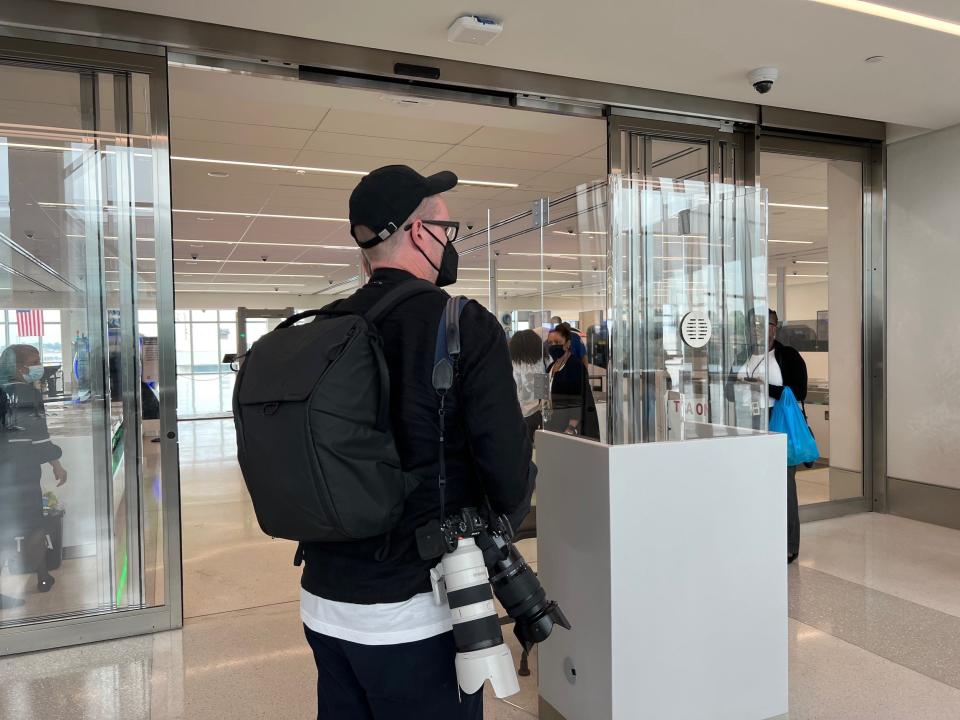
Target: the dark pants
pixel 533 422
pixel 793 513
pixel 412 681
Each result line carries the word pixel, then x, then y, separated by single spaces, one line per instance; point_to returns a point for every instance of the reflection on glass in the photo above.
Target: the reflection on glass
pixel 613 281
pixel 75 380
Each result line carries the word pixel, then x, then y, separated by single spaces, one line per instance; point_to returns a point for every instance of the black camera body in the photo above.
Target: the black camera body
pixel 513 581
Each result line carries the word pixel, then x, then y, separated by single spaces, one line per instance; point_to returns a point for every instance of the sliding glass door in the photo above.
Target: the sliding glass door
pixel 89 507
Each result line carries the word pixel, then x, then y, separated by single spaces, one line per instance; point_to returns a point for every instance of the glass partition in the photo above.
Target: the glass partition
pixel 88 486
pixel 658 289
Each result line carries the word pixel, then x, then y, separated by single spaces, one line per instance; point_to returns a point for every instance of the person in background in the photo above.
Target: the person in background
pixel 571 408
pixel 25 446
pixel 526 354
pixel 578 350
pixel 785 368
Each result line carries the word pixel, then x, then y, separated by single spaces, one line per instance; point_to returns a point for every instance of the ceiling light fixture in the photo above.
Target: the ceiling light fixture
pixel 266 262
pixel 303 169
pixel 244 284
pixel 792 242
pixel 895 14
pixel 799 207
pixel 259 215
pixel 811 262
pixel 263 244
pixel 218 174
pixel 240 274
pixel 556 255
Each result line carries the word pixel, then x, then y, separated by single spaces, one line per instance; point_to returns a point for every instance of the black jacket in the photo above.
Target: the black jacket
pixel 793 369
pixel 487 449
pixel 25 446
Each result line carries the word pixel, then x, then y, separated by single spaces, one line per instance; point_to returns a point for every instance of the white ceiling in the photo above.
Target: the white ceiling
pixel 320 126
pixel 310 125
pixel 690 46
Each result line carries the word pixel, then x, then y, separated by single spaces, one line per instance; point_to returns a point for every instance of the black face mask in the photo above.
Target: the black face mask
pixel 449 261
pixel 556 351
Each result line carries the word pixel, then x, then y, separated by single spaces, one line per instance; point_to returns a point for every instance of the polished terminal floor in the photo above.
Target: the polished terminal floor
pixel 874 623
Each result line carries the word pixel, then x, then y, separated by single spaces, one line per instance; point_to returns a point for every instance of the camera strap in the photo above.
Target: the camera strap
pixel 445 357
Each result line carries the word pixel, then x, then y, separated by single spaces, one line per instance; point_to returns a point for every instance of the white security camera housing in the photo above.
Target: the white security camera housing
pixel 763 79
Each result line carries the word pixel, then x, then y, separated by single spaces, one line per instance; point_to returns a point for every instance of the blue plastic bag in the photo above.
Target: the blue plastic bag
pixel 787 418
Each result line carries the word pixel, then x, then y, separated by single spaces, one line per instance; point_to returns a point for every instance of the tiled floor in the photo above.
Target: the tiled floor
pixel 874 630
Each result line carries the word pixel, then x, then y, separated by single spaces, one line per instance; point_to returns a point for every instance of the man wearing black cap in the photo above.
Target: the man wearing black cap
pixel 384 649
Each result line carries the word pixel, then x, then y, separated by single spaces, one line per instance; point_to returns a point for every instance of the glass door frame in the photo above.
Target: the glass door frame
pixel 33 48
pixel 871 156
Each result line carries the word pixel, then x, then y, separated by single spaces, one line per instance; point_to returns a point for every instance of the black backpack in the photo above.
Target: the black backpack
pixel 311 407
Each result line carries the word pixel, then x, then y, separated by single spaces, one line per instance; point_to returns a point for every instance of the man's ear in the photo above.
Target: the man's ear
pixel 416 233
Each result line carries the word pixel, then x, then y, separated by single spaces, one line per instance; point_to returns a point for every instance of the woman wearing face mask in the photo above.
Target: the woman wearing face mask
pixel 571 409
pixel 24 448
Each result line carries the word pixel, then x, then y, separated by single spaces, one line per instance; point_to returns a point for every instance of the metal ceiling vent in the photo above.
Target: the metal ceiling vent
pixel 696 329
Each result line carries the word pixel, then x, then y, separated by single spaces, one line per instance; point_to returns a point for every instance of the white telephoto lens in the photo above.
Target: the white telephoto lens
pixel 494 664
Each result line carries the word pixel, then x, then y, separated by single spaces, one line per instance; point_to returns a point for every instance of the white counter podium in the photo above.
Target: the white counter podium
pixel 669 559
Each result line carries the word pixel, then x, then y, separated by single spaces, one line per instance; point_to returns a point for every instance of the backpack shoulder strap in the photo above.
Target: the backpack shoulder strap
pixel 403 292
pixel 447 349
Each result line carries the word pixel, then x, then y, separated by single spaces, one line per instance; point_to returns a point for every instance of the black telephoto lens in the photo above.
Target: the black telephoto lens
pixel 523 597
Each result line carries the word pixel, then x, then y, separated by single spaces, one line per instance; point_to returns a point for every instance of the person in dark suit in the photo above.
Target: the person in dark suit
pixel 25 446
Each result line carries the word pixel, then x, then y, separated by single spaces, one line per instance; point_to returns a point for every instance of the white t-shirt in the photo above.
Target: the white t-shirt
pixel 415 619
pixel 754 369
pixel 523 376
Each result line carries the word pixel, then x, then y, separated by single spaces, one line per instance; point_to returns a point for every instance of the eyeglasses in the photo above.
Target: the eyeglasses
pixel 450 227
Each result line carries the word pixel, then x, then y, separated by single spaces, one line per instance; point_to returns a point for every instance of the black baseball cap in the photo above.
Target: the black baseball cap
pixel 388 195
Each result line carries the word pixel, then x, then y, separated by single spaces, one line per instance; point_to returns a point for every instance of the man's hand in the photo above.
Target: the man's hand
pixel 59 472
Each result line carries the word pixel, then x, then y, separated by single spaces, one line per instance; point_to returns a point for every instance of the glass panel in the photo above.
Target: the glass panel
pixel 815 278
pixel 71 486
pixel 679 265
pixel 204 382
pixel 203 315
pixel 688 299
pixel 679 159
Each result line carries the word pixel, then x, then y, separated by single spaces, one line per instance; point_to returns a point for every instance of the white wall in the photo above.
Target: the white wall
pixel 805 299
pixel 923 346
pixel 845 247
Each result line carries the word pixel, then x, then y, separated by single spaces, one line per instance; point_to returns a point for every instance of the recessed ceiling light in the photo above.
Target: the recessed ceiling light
pixel 811 262
pixel 792 242
pixel 218 174
pixel 201 219
pixel 895 14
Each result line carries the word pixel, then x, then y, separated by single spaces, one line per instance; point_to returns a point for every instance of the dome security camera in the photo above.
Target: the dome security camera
pixel 193 256
pixel 763 79
pixel 469 227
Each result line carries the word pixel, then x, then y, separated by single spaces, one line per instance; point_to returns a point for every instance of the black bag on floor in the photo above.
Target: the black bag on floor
pixel 311 407
pixel 46 537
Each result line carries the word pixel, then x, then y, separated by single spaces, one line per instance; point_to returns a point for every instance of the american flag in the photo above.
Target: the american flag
pixel 29 323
